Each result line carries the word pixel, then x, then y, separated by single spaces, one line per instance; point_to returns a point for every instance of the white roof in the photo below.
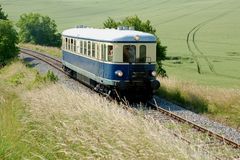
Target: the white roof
pixel 110 35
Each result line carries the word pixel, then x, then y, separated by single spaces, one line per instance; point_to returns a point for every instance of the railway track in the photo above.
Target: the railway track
pixel 56 63
pixel 52 61
pixel 194 125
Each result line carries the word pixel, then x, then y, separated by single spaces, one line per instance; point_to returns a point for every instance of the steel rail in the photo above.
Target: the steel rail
pixel 39 53
pixel 45 58
pixel 194 125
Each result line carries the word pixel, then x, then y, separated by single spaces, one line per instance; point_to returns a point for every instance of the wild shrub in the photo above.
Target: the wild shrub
pixel 51 76
pixel 17 78
pixel 139 25
pixel 2 14
pixel 38 29
pixel 48 77
pixel 8 42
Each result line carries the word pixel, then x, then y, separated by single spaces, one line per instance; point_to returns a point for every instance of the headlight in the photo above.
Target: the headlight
pixel 119 73
pixel 154 73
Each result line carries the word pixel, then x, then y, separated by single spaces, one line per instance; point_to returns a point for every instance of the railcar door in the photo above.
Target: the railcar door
pixel 102 58
pixel 129 56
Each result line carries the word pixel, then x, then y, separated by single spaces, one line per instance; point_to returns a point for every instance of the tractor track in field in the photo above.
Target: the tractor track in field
pixel 188 14
pixel 147 7
pixel 192 52
pixel 210 65
pixel 193 32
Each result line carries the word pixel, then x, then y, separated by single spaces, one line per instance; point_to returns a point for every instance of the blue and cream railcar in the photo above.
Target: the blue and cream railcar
pixel 111 58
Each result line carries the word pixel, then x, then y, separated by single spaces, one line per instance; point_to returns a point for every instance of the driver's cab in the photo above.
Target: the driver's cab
pixel 139 53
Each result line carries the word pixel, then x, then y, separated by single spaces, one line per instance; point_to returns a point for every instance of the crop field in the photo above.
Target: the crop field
pixel 203 37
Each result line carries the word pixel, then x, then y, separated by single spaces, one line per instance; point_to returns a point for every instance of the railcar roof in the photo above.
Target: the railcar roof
pixel 110 35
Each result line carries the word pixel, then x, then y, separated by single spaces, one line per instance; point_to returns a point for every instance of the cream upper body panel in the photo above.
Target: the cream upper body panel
pixel 111 45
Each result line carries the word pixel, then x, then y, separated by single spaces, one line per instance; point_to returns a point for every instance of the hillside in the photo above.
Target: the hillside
pixel 197 33
pixel 42 120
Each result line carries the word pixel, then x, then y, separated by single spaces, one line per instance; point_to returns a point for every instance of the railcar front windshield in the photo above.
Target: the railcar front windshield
pixel 129 53
pixel 135 54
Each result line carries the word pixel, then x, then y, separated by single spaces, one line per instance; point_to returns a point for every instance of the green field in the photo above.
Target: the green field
pixel 201 36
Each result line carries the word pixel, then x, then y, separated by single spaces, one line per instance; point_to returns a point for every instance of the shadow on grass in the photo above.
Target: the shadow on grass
pixel 186 100
pixel 29 62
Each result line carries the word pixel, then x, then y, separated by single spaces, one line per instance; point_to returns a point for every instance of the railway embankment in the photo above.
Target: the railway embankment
pixel 219 104
pixel 40 119
pixel 67 120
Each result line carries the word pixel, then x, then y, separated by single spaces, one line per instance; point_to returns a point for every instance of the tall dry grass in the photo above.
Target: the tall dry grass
pixel 68 122
pixel 217 103
pixel 71 124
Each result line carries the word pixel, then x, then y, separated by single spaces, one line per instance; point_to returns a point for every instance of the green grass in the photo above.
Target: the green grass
pixel 11 111
pixel 15 135
pixel 217 37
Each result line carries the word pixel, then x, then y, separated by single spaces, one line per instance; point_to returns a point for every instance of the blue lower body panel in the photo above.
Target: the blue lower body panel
pixel 103 72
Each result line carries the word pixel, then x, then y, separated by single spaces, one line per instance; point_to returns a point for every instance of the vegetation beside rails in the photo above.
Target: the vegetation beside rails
pixel 38 29
pixel 53 51
pixel 56 122
pixel 78 127
pixel 219 104
pixel 16 141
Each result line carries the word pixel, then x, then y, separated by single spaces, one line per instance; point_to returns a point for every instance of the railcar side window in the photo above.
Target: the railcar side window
pixel 143 52
pixel 93 49
pixel 68 44
pixel 89 48
pixel 129 53
pixel 74 45
pixel 81 47
pixel 103 52
pixel 98 51
pixel 71 44
pixel 110 53
pixel 85 47
pixel 65 43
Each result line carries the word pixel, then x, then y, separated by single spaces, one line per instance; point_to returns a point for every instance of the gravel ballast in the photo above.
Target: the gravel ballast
pixel 203 121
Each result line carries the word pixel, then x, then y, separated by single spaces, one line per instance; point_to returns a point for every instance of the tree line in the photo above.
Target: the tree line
pixel 38 29
pixel 33 28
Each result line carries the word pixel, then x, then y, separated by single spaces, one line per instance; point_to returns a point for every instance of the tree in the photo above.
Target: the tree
pixel 2 14
pixel 139 25
pixel 111 23
pixel 38 29
pixel 8 42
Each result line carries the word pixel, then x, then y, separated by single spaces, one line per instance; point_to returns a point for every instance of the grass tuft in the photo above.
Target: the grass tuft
pixel 17 78
pixel 48 77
